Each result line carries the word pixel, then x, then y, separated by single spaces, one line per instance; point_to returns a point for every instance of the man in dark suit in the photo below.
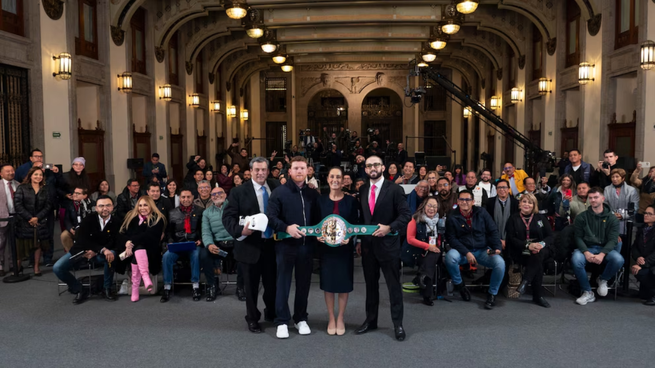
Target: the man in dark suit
pixel 253 249
pixel 95 237
pixel 382 203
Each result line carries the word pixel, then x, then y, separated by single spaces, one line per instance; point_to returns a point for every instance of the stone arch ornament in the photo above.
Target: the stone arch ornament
pixel 123 14
pixel 54 9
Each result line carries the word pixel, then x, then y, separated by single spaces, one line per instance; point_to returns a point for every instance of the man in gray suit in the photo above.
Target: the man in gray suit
pixel 7 190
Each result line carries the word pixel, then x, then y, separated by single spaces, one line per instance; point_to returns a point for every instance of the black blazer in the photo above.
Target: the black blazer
pixel 645 248
pixel 515 237
pixel 513 205
pixel 89 236
pixel 243 202
pixel 143 237
pixel 390 209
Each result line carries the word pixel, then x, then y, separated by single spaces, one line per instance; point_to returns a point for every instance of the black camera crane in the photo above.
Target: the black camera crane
pixel 534 154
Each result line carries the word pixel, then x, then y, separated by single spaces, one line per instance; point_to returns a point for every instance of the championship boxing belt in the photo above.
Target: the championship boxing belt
pixel 334 229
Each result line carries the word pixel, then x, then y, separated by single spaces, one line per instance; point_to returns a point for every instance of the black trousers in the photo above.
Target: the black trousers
pixel 428 269
pixel 534 270
pixel 391 271
pixel 265 270
pixel 646 282
pixel 288 258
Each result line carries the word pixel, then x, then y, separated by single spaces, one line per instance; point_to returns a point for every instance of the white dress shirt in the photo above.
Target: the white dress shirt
pixel 10 201
pixel 260 198
pixel 103 223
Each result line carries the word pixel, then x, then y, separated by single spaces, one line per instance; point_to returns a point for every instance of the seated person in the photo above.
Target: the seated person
pixel 530 231
pixel 95 237
pixel 77 210
pixel 422 233
pixel 192 185
pixel 418 195
pixel 474 238
pixel 184 226
pixel 596 238
pixel 204 199
pixel 163 204
pixel 215 238
pixel 643 252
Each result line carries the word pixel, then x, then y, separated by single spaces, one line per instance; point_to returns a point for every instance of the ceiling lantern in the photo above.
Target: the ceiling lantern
pixel 288 65
pixel 452 20
pixel 422 64
pixel 428 56
pixel 269 47
pixel 438 43
pixel 254 31
pixel 467 6
pixel 235 10
pixel 647 60
pixel 253 23
pixel 279 58
pixel 268 42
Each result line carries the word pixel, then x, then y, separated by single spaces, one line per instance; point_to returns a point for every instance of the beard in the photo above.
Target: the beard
pixel 485 180
pixel 374 174
pixel 444 193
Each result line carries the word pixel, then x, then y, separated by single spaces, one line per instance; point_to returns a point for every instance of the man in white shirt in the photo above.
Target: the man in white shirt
pixel 7 191
pixel 485 183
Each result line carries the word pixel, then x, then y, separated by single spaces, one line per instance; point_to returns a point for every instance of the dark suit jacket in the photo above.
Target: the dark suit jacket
pixel 243 202
pixel 89 236
pixel 390 209
pixel 513 205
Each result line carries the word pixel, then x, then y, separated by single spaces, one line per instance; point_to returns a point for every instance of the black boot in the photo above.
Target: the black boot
pixel 165 296
pixel 650 301
pixel 540 301
pixel 196 294
pixel 428 301
pixel 108 295
pixel 211 293
pixel 522 286
pixel 491 302
pixel 241 294
pixel 463 291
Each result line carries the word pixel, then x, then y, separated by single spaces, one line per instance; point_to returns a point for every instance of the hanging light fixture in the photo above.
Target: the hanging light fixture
pixel 647 55
pixel 422 64
pixel 63 66
pixel 195 100
pixel 428 56
pixel 493 103
pixel 544 86
pixel 279 58
pixel 244 115
pixel 235 10
pixel 165 92
pixel 467 6
pixel 269 47
pixel 438 42
pixel 452 20
pixel 216 106
pixel 287 66
pixel 515 95
pixel 125 82
pixel 254 31
pixel 253 23
pixel 586 73
pixel 232 112
pixel 467 112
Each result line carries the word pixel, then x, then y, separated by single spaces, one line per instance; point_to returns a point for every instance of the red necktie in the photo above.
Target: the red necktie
pixel 371 200
pixel 11 190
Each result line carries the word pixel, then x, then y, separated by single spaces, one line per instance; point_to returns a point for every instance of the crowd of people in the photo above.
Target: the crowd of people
pixel 455 219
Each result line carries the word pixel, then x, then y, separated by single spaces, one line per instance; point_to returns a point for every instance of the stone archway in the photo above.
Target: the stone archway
pixel 327 109
pixel 382 108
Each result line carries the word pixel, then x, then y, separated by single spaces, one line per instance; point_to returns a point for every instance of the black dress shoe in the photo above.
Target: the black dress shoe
pixel 522 286
pixel 366 327
pixel 196 294
pixel 38 274
pixel 211 294
pixel 540 301
pixel 241 294
pixel 108 295
pixel 81 297
pixel 400 332
pixel 254 327
pixel 268 317
pixel 428 301
pixel 165 296
pixel 491 302
pixel 650 301
pixel 2 273
pixel 464 292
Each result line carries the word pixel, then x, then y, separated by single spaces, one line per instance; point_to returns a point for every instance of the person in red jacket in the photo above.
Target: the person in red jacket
pixel 422 233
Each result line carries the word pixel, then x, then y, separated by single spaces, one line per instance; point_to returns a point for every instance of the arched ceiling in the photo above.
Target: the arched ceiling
pixel 328 31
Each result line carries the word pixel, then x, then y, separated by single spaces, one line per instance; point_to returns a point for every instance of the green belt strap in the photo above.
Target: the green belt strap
pixel 334 229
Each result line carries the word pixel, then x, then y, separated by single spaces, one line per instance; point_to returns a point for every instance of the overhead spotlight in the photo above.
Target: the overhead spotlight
pixel 288 65
pixel 452 20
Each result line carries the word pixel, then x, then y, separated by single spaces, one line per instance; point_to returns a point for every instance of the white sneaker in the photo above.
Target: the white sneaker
pixel 282 332
pixel 602 287
pixel 303 328
pixel 587 297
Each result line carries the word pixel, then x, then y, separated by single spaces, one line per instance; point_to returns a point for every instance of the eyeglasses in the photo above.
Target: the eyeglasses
pixel 375 165
pixel 649 214
pixel 433 206
pixel 444 185
pixel 508 168
pixel 465 199
pixel 101 206
pixel 218 194
pixel 78 193
pixel 421 188
pixel 502 188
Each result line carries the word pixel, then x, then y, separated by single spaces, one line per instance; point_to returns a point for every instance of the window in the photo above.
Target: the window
pixel 276 94
pixel 572 34
pixel 173 66
pixel 627 23
pixel 537 53
pixel 434 99
pixel 198 74
pixel 86 34
pixel 138 25
pixel 11 19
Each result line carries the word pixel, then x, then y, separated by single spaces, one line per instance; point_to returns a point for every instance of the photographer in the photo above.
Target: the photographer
pixel 373 135
pixel 606 166
pixel 335 156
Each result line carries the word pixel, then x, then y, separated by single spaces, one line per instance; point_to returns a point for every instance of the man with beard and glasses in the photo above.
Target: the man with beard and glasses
pixel 447 199
pixel 486 184
pixel 480 195
pixel 383 204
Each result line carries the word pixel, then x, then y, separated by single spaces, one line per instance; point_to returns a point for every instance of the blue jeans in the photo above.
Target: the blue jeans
pixel 169 261
pixel 64 266
pixel 454 259
pixel 613 262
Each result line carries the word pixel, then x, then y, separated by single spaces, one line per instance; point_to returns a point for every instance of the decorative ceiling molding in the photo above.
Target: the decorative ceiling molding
pixel 347 66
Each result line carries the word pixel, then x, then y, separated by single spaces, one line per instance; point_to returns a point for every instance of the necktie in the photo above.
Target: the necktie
pixel 371 200
pixel 11 190
pixel 269 232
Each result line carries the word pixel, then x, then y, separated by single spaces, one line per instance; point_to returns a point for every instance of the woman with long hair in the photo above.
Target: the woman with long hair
pixel 209 176
pixel 224 178
pixel 141 234
pixel 422 233
pixel 172 193
pixel 562 195
pixel 392 172
pixel 237 180
pixel 32 207
pixel 459 176
pixel 337 262
pixel 433 176
pixel 103 189
pixel 422 172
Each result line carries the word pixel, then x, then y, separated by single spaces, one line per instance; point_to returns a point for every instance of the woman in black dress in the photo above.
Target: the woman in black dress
pixel 337 262
pixel 529 232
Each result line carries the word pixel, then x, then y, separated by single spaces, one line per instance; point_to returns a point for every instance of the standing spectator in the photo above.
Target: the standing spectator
pixel 374 150
pixel 459 176
pixel 196 163
pixel 578 169
pixel 75 178
pixel 563 162
pixel 239 156
pixel 643 253
pixel 32 206
pixel 224 178
pixel 77 210
pixel 9 186
pixel 486 184
pixel 127 200
pixel 154 168
pixel 103 189
pixel 334 156
pixel 360 163
pixel 606 166
pixel 357 149
pixel 36 155
pixel 401 156
pixel 620 197
pixel 163 204
pixel 192 185
pixel 646 186
pixel 515 178
pixel 171 193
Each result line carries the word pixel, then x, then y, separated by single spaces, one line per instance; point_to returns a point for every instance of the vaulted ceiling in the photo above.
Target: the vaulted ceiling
pixel 328 31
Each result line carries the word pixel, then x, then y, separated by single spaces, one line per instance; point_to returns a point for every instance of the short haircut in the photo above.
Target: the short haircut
pixel 130 181
pixel 85 191
pixel 275 169
pixel 651 206
pixel 596 190
pixel 359 179
pixel 186 190
pixel 485 170
pixel 298 159
pixel 443 178
pixel 619 171
pixel 204 182
pixel 104 196
pixel 151 185
pixel 575 150
pixel 35 150
pixel 409 162
pixel 5 165
pixel 236 164
pixel 201 170
pixel 525 181
pixel 530 197
pixel 465 191
pixel 374 156
pixel 583 182
pixel 258 159
pixel 609 151
pixel 502 181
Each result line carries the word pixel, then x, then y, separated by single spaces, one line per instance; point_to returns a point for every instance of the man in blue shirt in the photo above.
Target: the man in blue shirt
pixel 154 168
